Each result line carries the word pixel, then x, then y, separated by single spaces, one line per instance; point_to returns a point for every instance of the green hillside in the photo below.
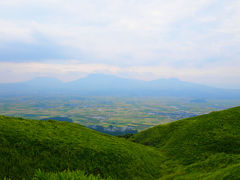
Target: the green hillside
pixel 28 145
pixel 203 145
pixel 66 175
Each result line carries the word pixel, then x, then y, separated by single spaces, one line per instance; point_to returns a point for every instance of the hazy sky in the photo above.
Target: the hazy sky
pixel 197 41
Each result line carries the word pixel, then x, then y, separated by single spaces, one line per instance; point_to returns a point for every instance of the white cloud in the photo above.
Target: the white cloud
pixel 178 35
pixel 10 31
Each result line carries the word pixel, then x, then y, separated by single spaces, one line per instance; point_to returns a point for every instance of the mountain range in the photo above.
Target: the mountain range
pixel 109 85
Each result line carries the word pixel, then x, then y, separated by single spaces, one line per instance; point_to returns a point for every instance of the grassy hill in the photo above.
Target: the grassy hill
pixel 203 144
pixel 66 175
pixel 28 145
pixel 202 147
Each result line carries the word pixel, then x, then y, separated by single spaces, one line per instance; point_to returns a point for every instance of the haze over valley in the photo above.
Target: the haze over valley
pixel 119 90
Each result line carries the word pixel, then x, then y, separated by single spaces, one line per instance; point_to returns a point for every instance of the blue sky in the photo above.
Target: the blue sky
pixel 196 41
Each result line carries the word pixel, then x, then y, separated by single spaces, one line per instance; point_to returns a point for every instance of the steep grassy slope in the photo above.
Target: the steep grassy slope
pixel 66 175
pixel 27 145
pixel 191 138
pixel 205 146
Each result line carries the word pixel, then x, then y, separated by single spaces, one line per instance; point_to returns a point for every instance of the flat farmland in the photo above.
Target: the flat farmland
pixel 139 113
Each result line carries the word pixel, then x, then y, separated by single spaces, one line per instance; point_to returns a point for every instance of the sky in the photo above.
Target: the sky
pixel 195 41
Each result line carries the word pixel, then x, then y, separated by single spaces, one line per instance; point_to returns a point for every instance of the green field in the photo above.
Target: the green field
pixel 140 113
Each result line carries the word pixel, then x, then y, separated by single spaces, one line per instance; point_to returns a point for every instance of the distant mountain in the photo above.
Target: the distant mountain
pixel 109 85
pixel 44 82
pixel 38 85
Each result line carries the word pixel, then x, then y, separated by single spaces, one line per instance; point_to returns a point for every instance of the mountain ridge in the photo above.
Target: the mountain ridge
pixel 109 85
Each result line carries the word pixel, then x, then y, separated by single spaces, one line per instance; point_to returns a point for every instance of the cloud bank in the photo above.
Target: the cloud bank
pixel 198 41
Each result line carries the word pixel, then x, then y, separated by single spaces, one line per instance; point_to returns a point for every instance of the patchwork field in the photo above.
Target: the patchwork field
pixel 139 113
